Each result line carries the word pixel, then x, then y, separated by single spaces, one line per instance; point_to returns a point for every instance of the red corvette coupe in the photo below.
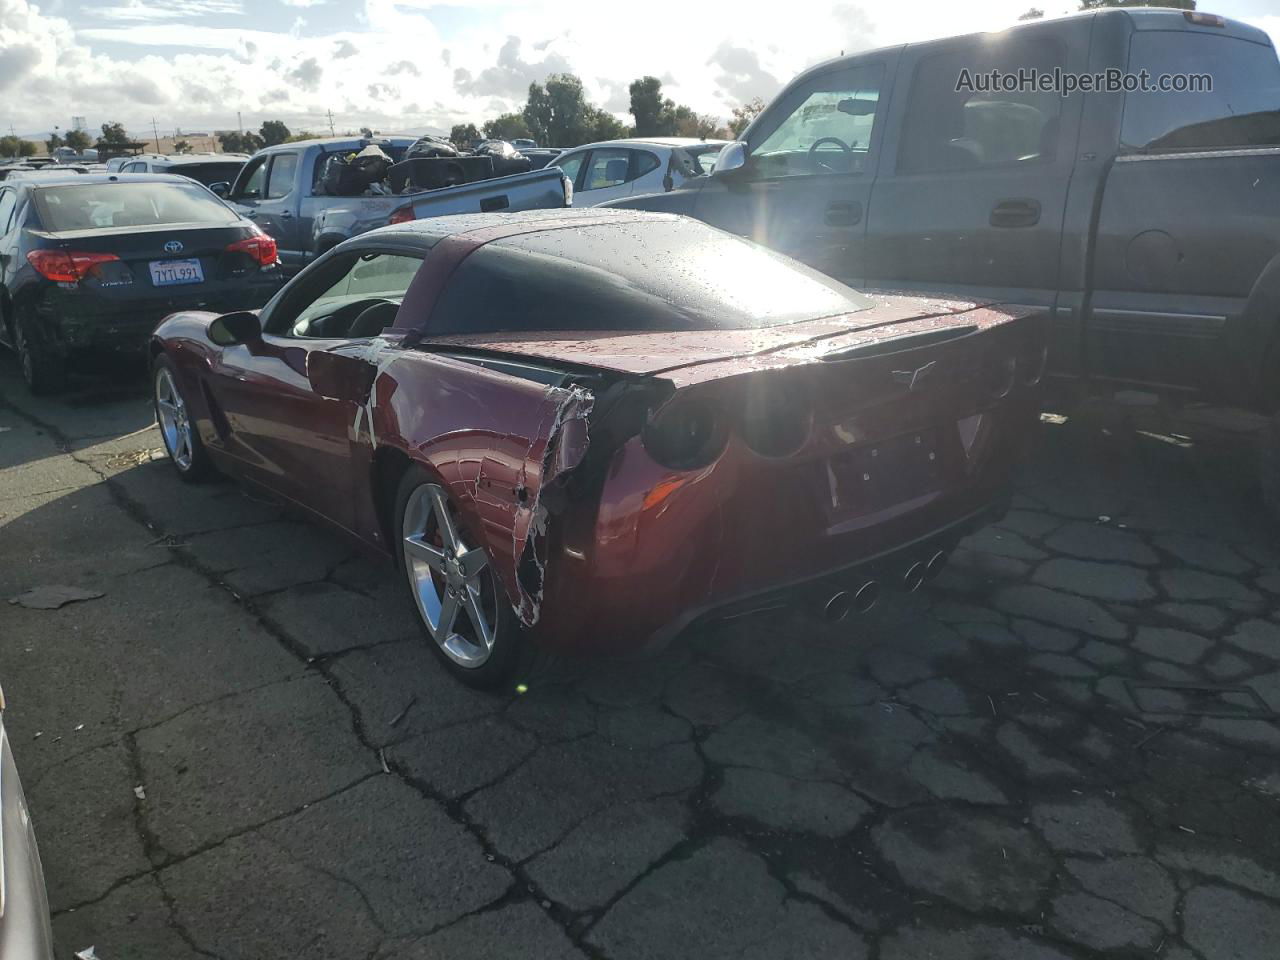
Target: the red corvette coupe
pixel 585 429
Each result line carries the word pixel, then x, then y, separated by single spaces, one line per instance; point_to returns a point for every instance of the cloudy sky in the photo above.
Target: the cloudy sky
pixel 418 64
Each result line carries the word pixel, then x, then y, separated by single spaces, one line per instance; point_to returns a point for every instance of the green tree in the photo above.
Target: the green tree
pixel 113 135
pixel 743 115
pixel 16 147
pixel 1035 13
pixel 54 142
pixel 273 132
pixel 233 141
pixel 653 111
pixel 182 147
pixel 1099 4
pixel 558 114
pixel 79 141
pixel 463 133
pixel 509 126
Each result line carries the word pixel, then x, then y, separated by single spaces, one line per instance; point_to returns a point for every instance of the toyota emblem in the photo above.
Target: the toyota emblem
pixel 173 246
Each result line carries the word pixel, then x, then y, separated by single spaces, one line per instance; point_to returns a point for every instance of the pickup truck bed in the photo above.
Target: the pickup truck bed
pixel 277 189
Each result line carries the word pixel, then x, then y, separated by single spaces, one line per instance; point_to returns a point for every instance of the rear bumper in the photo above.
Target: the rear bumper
pixel 79 322
pixel 645 566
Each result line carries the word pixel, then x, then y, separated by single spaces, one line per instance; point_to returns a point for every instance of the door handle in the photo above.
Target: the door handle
pixel 841 214
pixel 286 214
pixel 1015 213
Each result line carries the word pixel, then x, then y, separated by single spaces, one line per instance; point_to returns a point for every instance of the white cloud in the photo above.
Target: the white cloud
pixel 391 67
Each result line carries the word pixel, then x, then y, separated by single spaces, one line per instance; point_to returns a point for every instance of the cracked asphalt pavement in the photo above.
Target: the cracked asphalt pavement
pixel 1065 747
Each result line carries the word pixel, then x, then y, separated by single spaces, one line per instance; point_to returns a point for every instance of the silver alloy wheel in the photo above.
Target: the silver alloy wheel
pixel 172 414
pixel 448 577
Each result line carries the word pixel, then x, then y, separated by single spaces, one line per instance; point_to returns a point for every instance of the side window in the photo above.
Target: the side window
pixel 1240 109
pixel 280 181
pixel 357 296
pixel 949 129
pixel 571 164
pixel 824 127
pixel 646 162
pixel 255 179
pixel 136 167
pixel 608 168
pixel 8 201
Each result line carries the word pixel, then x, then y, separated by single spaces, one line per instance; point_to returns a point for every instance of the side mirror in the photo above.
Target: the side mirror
pixel 230 329
pixel 732 156
pixel 221 188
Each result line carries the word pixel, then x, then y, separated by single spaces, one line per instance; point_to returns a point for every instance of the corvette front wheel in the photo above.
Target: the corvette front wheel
pixel 181 439
pixel 462 609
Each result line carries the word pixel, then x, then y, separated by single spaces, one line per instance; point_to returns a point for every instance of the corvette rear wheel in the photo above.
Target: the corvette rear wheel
pixel 461 607
pixel 181 439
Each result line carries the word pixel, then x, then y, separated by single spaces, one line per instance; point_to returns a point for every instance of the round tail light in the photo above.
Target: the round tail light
pixel 776 419
pixel 685 436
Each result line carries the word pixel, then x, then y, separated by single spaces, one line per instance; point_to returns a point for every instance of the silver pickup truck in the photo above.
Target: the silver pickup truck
pixel 281 189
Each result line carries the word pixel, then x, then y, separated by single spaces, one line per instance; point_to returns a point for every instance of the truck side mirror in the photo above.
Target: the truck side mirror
pixel 230 329
pixel 732 156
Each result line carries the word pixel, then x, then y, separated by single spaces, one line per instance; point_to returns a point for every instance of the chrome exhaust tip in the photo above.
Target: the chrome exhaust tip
pixel 837 607
pixel 935 564
pixel 866 596
pixel 914 577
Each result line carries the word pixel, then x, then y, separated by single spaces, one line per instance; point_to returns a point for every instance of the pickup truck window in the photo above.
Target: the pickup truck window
pixel 255 181
pixel 827 131
pixel 1243 109
pixel 950 130
pixel 280 180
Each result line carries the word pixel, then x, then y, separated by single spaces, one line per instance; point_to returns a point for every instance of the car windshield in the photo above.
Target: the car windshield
pixel 94 205
pixel 666 275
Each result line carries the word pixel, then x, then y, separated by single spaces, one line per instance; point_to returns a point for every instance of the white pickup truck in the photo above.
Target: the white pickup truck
pixel 281 189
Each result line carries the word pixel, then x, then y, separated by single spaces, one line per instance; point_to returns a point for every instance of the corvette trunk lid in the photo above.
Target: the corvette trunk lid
pixel 692 356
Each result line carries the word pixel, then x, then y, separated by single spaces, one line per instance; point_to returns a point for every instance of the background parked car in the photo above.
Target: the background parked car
pixel 1145 222
pixel 217 171
pixel 620 168
pixel 90 264
pixel 24 911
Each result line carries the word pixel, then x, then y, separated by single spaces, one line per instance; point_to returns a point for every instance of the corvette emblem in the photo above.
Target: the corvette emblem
pixel 909 378
pixel 173 246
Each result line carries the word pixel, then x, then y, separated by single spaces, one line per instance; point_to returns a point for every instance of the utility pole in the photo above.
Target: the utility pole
pixel 155 128
pixel 239 123
pixel 331 130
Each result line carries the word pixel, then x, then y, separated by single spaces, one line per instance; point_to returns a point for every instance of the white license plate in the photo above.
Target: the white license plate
pixel 171 273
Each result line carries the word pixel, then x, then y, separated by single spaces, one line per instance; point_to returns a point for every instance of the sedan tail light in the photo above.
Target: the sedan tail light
pixel 66 266
pixel 259 246
pixel 402 214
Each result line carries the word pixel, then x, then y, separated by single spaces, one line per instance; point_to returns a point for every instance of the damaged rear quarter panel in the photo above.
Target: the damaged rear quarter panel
pixel 495 442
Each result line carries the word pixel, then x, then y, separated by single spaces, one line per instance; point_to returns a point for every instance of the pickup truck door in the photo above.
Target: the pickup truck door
pixel 277 211
pixel 806 186
pixel 971 194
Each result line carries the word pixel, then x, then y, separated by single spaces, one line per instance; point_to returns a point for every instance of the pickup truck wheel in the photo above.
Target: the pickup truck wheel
pixel 462 609
pixel 44 374
pixel 1269 465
